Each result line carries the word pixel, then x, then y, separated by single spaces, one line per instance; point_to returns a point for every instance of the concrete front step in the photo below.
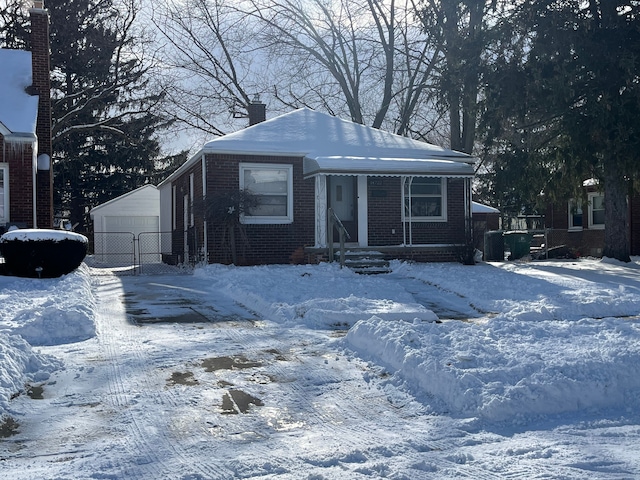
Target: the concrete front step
pixel 369 262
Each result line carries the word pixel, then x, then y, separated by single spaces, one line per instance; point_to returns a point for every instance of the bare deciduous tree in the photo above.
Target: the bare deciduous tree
pixel 365 59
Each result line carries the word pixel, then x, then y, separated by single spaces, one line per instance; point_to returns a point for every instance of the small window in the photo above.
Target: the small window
pixel 575 215
pixel 4 193
pixel 273 184
pixel 425 199
pixel 596 210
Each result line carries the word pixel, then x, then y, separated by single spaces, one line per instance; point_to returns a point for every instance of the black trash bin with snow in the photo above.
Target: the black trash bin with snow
pixel 42 253
pixel 494 246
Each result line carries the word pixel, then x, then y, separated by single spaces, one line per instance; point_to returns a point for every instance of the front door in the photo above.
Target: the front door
pixel 343 200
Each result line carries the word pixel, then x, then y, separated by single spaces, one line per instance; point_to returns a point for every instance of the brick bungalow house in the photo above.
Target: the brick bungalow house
pixel 581 226
pixel 404 198
pixel 26 179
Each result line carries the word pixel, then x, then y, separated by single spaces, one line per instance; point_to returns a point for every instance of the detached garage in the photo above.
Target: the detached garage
pixel 127 225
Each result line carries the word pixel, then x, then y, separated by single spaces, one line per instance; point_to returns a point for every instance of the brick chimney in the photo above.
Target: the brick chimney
pixel 257 111
pixel 41 84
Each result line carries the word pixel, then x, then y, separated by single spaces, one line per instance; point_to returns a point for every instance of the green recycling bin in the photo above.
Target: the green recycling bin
pixel 493 246
pixel 519 244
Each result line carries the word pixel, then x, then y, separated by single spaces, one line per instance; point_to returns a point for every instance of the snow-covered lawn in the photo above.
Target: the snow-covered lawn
pixel 502 370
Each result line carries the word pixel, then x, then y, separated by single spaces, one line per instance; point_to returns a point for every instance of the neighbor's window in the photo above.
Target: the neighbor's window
pixel 4 193
pixel 425 199
pixel 575 215
pixel 596 210
pixel 273 185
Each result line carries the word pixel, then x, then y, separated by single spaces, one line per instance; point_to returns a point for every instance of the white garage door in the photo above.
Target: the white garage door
pixel 135 225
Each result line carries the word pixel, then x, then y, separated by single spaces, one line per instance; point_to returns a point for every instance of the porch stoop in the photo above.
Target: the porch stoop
pixel 365 262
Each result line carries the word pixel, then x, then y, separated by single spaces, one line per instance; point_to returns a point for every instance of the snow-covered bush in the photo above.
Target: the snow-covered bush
pixel 42 253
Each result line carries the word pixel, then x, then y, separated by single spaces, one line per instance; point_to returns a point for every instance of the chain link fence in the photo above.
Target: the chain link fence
pixel 125 253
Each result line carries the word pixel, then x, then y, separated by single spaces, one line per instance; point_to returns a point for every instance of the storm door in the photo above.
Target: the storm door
pixel 342 191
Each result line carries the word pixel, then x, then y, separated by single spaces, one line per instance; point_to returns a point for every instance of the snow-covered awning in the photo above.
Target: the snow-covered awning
pixel 385 167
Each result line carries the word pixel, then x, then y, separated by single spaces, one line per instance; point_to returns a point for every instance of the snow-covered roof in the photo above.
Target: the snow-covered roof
pixel 332 145
pixel 18 109
pixel 481 208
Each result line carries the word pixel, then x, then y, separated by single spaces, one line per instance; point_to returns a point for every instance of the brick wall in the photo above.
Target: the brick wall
pixel 19 157
pixel 195 234
pixel 264 244
pixel 285 243
pixel 40 54
pixel 385 216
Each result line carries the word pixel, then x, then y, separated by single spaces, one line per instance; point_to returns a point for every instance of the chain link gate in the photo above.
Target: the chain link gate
pixel 124 253
pixel 154 253
pixel 112 250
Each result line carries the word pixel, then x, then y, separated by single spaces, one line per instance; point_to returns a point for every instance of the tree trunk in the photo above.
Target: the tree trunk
pixel 616 235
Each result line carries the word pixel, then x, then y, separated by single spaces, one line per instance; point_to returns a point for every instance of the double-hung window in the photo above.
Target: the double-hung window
pixel 272 184
pixel 576 218
pixel 596 210
pixel 4 193
pixel 592 218
pixel 425 199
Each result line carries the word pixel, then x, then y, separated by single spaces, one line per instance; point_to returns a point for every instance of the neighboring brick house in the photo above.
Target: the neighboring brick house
pixel 405 198
pixel 580 226
pixel 26 179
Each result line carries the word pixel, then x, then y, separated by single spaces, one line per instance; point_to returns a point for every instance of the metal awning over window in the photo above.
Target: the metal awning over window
pixel 340 165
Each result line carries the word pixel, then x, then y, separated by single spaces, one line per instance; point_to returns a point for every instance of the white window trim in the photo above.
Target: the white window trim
pixel 440 218
pixel 5 168
pixel 592 226
pixel 174 201
pixel 272 220
pixel 573 228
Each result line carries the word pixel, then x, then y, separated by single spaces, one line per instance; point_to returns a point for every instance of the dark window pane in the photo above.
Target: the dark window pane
pixel 270 206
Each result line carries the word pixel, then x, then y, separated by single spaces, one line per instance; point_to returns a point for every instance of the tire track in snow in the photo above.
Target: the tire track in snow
pixel 322 399
pixel 155 452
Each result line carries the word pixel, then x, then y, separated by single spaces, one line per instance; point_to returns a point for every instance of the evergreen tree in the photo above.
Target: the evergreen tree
pixel 104 109
pixel 463 30
pixel 566 93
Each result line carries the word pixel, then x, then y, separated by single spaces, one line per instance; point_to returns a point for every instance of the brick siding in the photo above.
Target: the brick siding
pixel 385 216
pixel 265 244
pixel 292 243
pixel 41 72
pixel 19 157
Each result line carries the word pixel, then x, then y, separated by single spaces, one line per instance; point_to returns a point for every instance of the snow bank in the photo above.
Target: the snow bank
pixel 554 290
pixel 48 311
pixel 38 312
pixel 19 366
pixel 505 370
pixel 317 296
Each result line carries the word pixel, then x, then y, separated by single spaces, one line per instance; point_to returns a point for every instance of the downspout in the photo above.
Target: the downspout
pixel 34 169
pixel 410 212
pixel 204 217
pixel 468 215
